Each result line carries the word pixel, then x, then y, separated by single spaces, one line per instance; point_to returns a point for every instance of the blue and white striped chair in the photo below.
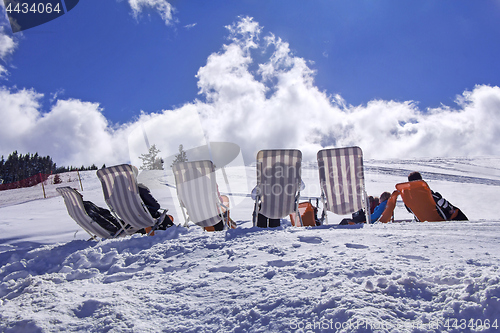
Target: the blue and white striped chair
pixel 198 194
pixel 278 183
pixel 342 181
pixel 74 204
pixel 121 193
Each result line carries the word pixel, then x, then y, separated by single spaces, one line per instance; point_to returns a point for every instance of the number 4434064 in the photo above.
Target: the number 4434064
pixel 473 324
pixel 35 8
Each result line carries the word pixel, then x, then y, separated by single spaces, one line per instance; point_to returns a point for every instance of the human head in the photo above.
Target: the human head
pixel 384 196
pixel 415 175
pixel 373 200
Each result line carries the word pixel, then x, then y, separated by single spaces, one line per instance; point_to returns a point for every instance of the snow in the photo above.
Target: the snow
pixel 396 277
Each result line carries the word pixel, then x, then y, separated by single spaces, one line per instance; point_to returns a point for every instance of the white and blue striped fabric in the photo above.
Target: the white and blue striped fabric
pixel 341 176
pixel 278 182
pixel 74 203
pixel 197 191
pixel 121 193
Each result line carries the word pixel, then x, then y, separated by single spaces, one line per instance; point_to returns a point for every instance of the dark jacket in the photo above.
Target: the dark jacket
pixel 151 204
pixel 102 216
pixel 446 209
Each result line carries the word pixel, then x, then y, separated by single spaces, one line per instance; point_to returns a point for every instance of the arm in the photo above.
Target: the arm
pixel 443 206
pixel 378 211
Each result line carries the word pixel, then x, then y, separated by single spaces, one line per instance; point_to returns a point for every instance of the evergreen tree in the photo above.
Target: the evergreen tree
pixel 19 167
pixel 181 157
pixel 2 163
pixel 57 179
pixel 151 161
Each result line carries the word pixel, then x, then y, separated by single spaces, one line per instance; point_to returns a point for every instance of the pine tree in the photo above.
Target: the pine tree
pixel 2 163
pixel 57 179
pixel 181 157
pixel 19 167
pixel 151 161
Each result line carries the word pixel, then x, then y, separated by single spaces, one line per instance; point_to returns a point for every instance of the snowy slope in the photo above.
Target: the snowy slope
pixel 405 277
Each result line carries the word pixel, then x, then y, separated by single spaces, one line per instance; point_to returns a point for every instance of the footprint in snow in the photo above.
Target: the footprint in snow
pixel 269 275
pixel 310 239
pixel 409 256
pixel 356 246
pixel 280 263
pixel 87 308
pixel 311 275
pixel 223 269
pixel 118 277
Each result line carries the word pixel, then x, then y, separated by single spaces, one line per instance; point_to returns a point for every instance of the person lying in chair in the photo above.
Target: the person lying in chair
pixel 374 202
pixel 101 216
pixel 153 206
pixel 360 217
pixel 444 207
pixel 377 212
pixel 262 220
pixel 224 199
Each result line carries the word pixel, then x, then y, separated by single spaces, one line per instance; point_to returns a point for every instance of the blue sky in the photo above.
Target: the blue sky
pixel 104 53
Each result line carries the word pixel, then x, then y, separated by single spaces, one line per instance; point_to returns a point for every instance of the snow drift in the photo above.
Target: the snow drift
pixel 405 277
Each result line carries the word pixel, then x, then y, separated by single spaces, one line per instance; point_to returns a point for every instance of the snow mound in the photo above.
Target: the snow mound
pixel 395 275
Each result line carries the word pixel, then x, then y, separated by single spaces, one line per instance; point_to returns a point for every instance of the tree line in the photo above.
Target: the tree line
pixel 18 167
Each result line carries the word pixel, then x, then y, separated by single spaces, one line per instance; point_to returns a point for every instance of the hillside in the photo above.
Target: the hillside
pixel 407 277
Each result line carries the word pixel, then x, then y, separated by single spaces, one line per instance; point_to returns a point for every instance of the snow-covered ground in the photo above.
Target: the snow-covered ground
pixel 396 277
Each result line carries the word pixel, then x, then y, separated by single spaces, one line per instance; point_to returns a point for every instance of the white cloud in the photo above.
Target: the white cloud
pixel 18 114
pixel 163 7
pixel 7 47
pixel 167 130
pixel 73 132
pixel 7 44
pixel 190 26
pixel 277 105
pixel 3 71
pixel 270 103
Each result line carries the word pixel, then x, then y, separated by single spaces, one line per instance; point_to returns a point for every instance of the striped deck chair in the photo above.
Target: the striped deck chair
pixel 74 204
pixel 342 181
pixel 197 193
pixel 121 193
pixel 278 184
pixel 417 196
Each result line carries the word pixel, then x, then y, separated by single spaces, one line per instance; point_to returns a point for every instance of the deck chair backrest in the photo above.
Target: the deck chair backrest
pixel 121 193
pixel 74 204
pixel 197 191
pixel 418 197
pixel 278 181
pixel 341 176
pixel 389 208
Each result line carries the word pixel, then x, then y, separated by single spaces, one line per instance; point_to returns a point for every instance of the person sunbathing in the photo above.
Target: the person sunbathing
pixel 360 217
pixel 445 209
